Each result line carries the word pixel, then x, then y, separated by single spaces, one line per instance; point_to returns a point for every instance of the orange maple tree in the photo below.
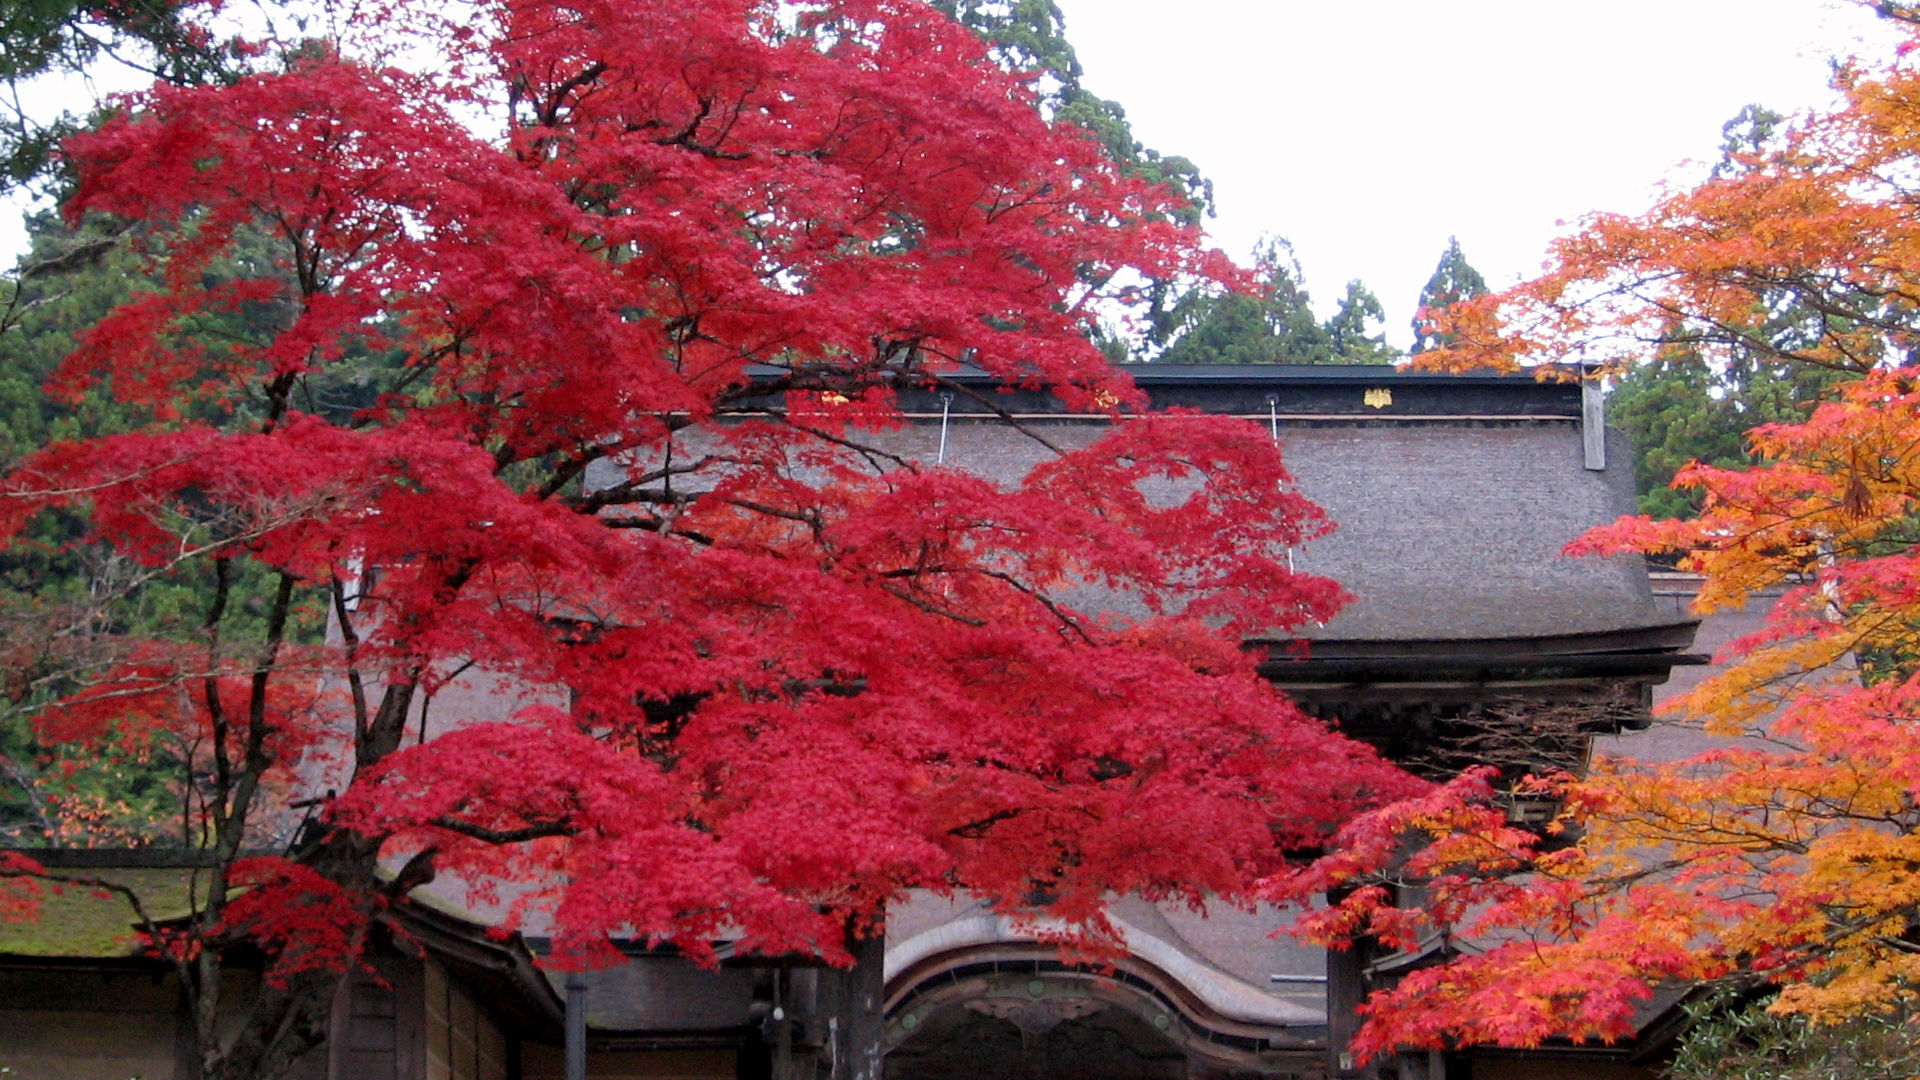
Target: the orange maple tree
pixel 1787 857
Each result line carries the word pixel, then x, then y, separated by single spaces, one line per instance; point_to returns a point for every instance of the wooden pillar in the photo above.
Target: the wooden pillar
pixel 851 1005
pixel 830 1025
pixel 576 1026
pixel 1593 420
pixel 1346 991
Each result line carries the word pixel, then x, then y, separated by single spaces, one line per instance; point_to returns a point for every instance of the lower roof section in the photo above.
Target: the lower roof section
pixel 1643 654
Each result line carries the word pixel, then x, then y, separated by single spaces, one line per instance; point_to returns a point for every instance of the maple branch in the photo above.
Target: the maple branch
pixel 350 637
pixel 1065 617
pixel 663 526
pixel 809 518
pixel 1734 335
pixel 426 699
pixel 566 472
pixel 120 889
pixel 279 393
pixel 550 108
pixel 998 410
pixel 417 871
pixel 929 606
pixel 502 836
pixel 633 489
pixel 873 454
pixel 978 829
pixel 684 139
pixel 55 494
pixel 1895 11
pixel 257 758
pixel 210 686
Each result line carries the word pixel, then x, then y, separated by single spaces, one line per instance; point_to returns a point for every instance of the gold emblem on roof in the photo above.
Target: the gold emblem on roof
pixel 1377 398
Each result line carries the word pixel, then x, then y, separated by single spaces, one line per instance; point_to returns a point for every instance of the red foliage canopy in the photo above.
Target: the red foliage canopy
pixel 691 250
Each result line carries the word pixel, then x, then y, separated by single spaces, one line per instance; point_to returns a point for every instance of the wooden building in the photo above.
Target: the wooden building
pixel 1471 634
pixel 1454 496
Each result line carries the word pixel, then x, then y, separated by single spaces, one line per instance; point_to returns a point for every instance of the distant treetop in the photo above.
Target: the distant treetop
pixel 1453 280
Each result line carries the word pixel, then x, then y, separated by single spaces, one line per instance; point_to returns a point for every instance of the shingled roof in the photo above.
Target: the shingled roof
pixel 1454 495
pixel 1454 529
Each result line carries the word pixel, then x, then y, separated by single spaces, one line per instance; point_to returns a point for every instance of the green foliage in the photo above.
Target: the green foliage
pixel 1688 405
pixel 1275 324
pixel 125 792
pixel 1026 35
pixel 40 38
pixel 1030 35
pixel 1728 1041
pixel 1454 279
pixel 1679 408
pixel 66 282
pixel 67 608
pixel 1354 329
pixel 1668 409
pixel 1745 138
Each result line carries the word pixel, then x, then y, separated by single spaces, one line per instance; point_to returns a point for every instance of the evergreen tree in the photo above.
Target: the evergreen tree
pixel 1689 403
pixel 1355 330
pixel 1030 35
pixel 1453 280
pixel 43 37
pixel 1745 138
pixel 1273 325
pixel 69 608
pixel 1683 406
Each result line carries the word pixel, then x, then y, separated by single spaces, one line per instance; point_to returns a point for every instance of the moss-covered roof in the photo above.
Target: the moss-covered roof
pixel 80 922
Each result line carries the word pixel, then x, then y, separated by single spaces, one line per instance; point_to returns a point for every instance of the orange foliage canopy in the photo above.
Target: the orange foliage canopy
pixel 1788 855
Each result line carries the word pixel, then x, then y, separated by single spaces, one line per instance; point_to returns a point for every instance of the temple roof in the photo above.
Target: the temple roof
pixel 1454 530
pixel 87 921
pixel 1453 495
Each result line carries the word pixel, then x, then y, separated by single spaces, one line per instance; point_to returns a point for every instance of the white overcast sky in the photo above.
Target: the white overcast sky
pixel 1367 133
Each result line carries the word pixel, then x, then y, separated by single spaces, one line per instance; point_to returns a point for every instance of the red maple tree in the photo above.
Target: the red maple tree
pixel 688 250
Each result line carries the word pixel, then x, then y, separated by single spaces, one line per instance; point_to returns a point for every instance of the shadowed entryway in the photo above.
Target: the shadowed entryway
pixel 1051 1038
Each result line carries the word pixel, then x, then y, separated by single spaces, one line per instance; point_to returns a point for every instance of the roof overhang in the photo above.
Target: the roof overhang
pixel 1325 672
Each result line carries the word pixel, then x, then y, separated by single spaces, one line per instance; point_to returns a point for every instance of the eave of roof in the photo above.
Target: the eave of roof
pixel 80 921
pixel 1281 391
pixel 503 970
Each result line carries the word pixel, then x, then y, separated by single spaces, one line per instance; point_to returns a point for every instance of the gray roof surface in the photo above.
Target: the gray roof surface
pixel 1453 502
pixel 1446 529
pixel 1455 529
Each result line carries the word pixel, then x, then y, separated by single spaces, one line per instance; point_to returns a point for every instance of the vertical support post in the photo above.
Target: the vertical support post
pixel 576 1025
pixel 946 409
pixel 783 1003
pixel 1593 420
pixel 852 1023
pixel 866 1023
pixel 1346 990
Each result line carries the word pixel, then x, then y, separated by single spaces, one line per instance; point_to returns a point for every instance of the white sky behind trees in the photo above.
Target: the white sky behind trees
pixel 1367 133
